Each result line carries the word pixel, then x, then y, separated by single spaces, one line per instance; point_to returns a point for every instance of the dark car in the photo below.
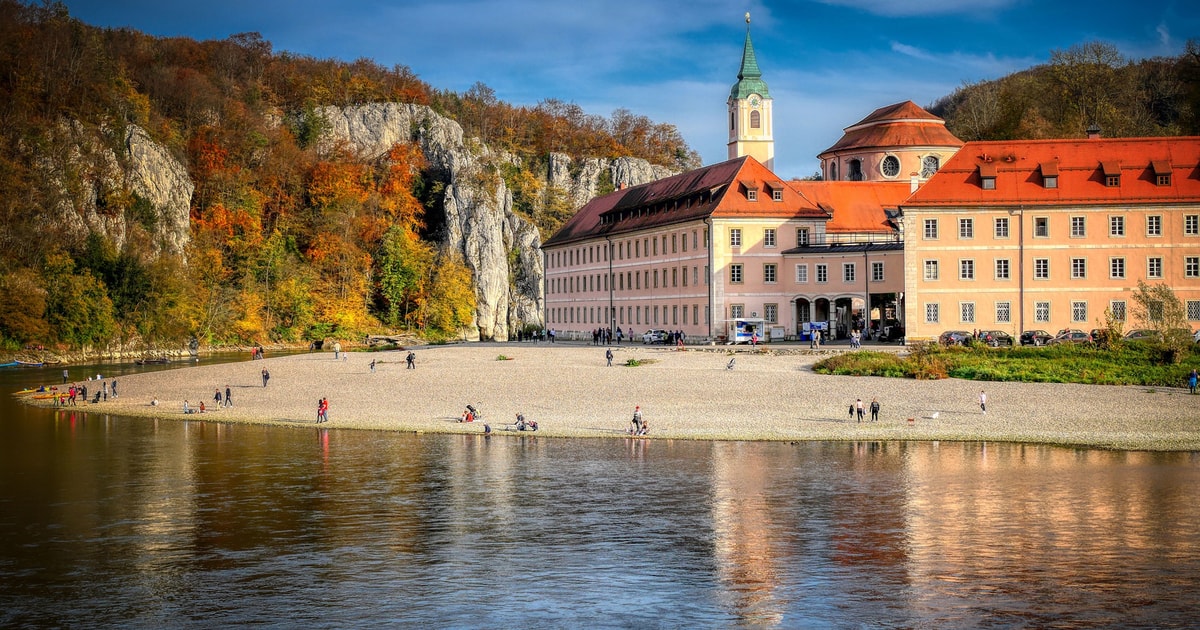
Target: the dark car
pixel 996 338
pixel 954 337
pixel 1035 338
pixel 1070 335
pixel 892 331
pixel 1141 334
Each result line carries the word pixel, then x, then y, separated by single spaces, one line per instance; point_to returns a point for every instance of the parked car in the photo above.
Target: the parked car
pixel 996 338
pixel 1035 338
pixel 654 336
pixel 1196 336
pixel 1141 334
pixel 1099 336
pixel 1070 335
pixel 954 337
pixel 892 331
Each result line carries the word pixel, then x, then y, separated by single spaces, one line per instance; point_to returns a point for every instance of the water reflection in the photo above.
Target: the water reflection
pixel 111 521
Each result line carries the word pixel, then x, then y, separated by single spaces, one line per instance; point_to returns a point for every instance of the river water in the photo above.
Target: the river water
pixel 108 521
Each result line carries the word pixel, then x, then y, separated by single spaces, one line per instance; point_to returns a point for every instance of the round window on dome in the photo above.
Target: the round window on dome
pixel 890 166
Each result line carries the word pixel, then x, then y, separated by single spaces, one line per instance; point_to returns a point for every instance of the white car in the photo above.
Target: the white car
pixel 654 336
pixel 1196 336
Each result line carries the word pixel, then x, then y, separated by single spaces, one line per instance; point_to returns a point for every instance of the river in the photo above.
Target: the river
pixel 109 521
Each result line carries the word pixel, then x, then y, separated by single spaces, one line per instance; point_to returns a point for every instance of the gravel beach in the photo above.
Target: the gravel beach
pixel 570 392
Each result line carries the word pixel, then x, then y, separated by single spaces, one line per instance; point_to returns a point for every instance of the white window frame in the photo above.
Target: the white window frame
pixel 1154 267
pixel 735 237
pixel 1116 268
pixel 1004 312
pixel 770 273
pixel 849 273
pixel 966 312
pixel 1079 311
pixel 1002 269
pixel 1000 227
pixel 1041 312
pixel 737 273
pixel 802 273
pixel 932 314
pixel 822 273
pixel 930 270
pixel 966 269
pixel 769 237
pixel 877 271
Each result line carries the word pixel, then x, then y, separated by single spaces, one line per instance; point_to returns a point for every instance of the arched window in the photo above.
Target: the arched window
pixel 855 171
pixel 929 166
pixel 731 120
pixel 833 174
pixel 755 119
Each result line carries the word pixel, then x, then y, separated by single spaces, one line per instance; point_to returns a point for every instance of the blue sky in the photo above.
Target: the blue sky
pixel 827 63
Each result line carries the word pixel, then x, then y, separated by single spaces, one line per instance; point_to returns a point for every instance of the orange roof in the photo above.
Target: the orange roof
pixel 901 125
pixel 1020 168
pixel 855 206
pixel 717 190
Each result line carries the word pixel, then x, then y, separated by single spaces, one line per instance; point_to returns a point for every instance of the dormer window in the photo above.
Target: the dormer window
pixel 1049 174
pixel 751 191
pixel 1162 172
pixel 776 189
pixel 987 176
pixel 1112 173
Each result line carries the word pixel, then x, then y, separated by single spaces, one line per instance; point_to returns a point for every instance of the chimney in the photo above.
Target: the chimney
pixel 1093 132
pixel 913 182
pixel 621 186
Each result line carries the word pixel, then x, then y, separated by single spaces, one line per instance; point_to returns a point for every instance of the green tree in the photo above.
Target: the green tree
pixel 403 266
pixel 1157 308
pixel 78 309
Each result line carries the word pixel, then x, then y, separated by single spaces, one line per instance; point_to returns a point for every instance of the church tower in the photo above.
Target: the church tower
pixel 750 126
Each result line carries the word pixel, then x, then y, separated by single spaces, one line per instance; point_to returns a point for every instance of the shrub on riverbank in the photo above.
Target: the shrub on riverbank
pixel 1124 364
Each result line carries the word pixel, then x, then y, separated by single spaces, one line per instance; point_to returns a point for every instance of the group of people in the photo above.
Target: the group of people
pixel 227 401
pixel 638 425
pixel 604 336
pixel 322 410
pixel 860 410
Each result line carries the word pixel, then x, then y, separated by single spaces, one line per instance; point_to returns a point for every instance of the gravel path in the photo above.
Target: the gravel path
pixel 570 391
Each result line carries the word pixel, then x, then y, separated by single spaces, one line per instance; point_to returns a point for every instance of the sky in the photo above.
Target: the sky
pixel 827 63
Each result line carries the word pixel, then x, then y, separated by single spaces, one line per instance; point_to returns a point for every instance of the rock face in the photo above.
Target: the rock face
pixel 142 171
pixel 480 221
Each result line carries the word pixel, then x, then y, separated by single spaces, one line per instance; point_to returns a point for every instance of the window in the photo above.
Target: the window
pixel 1112 181
pixel 769 273
pixel 1078 227
pixel 685 272
pixel 656 247
pixel 931 313
pixel 1117 308
pixel 848 272
pixel 1154 225
pixel 1193 310
pixel 674 276
pixel 735 273
pixel 1191 225
pixel 737 310
pixel 822 273
pixel 966 312
pixel 1041 268
pixel 1191 267
pixel 684 239
pixel 966 228
pixel 1002 269
pixel 755 119
pixel 735 237
pixel 1001 227
pixel 1041 227
pixel 777 194
pixel 966 269
pixel 890 166
pixel 876 271
pixel 1116 268
pixel 801 237
pixel 1154 267
pixel 1003 312
pixel 769 237
pixel 931 228
pixel 931 270
pixel 1078 268
pixel 1163 179
pixel 1116 225
pixel 801 273
pixel 771 313
pixel 1041 312
pixel 656 279
pixel 751 194
pixel 674 243
pixel 854 173
pixel 1079 311
pixel 1050 181
pixel 929 166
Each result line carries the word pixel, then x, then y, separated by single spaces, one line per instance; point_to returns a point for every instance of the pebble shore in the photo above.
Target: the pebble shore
pixel 571 392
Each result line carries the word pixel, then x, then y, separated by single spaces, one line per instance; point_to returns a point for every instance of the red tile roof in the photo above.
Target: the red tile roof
pixel 716 190
pixel 856 206
pixel 1021 165
pixel 901 125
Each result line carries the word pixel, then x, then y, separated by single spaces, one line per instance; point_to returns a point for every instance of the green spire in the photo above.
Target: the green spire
pixel 749 77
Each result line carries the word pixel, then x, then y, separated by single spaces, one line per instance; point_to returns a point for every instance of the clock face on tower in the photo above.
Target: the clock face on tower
pixel 754 102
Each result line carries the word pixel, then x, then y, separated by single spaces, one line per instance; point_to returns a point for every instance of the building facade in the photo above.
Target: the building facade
pixel 900 142
pixel 1049 234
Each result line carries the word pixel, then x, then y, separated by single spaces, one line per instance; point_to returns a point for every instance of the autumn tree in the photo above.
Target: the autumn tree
pixel 1157 308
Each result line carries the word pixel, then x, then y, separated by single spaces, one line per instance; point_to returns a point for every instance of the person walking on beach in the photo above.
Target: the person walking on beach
pixel 267 375
pixel 858 408
pixel 104 389
pixel 65 375
pixel 337 350
pixel 874 410
pixel 217 398
pixel 372 366
pixel 1192 378
pixel 114 388
pixel 637 420
pixel 983 402
pixel 608 355
pixel 411 359
pixel 228 397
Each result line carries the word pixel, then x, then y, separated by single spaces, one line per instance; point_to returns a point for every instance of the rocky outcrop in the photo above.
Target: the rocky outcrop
pixel 137 191
pixel 501 247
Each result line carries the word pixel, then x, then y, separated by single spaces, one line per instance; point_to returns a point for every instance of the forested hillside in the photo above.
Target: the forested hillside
pixel 1089 84
pixel 289 238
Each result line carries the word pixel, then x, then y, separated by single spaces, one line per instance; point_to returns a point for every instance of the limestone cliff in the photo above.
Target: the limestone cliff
pixel 136 191
pixel 480 220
